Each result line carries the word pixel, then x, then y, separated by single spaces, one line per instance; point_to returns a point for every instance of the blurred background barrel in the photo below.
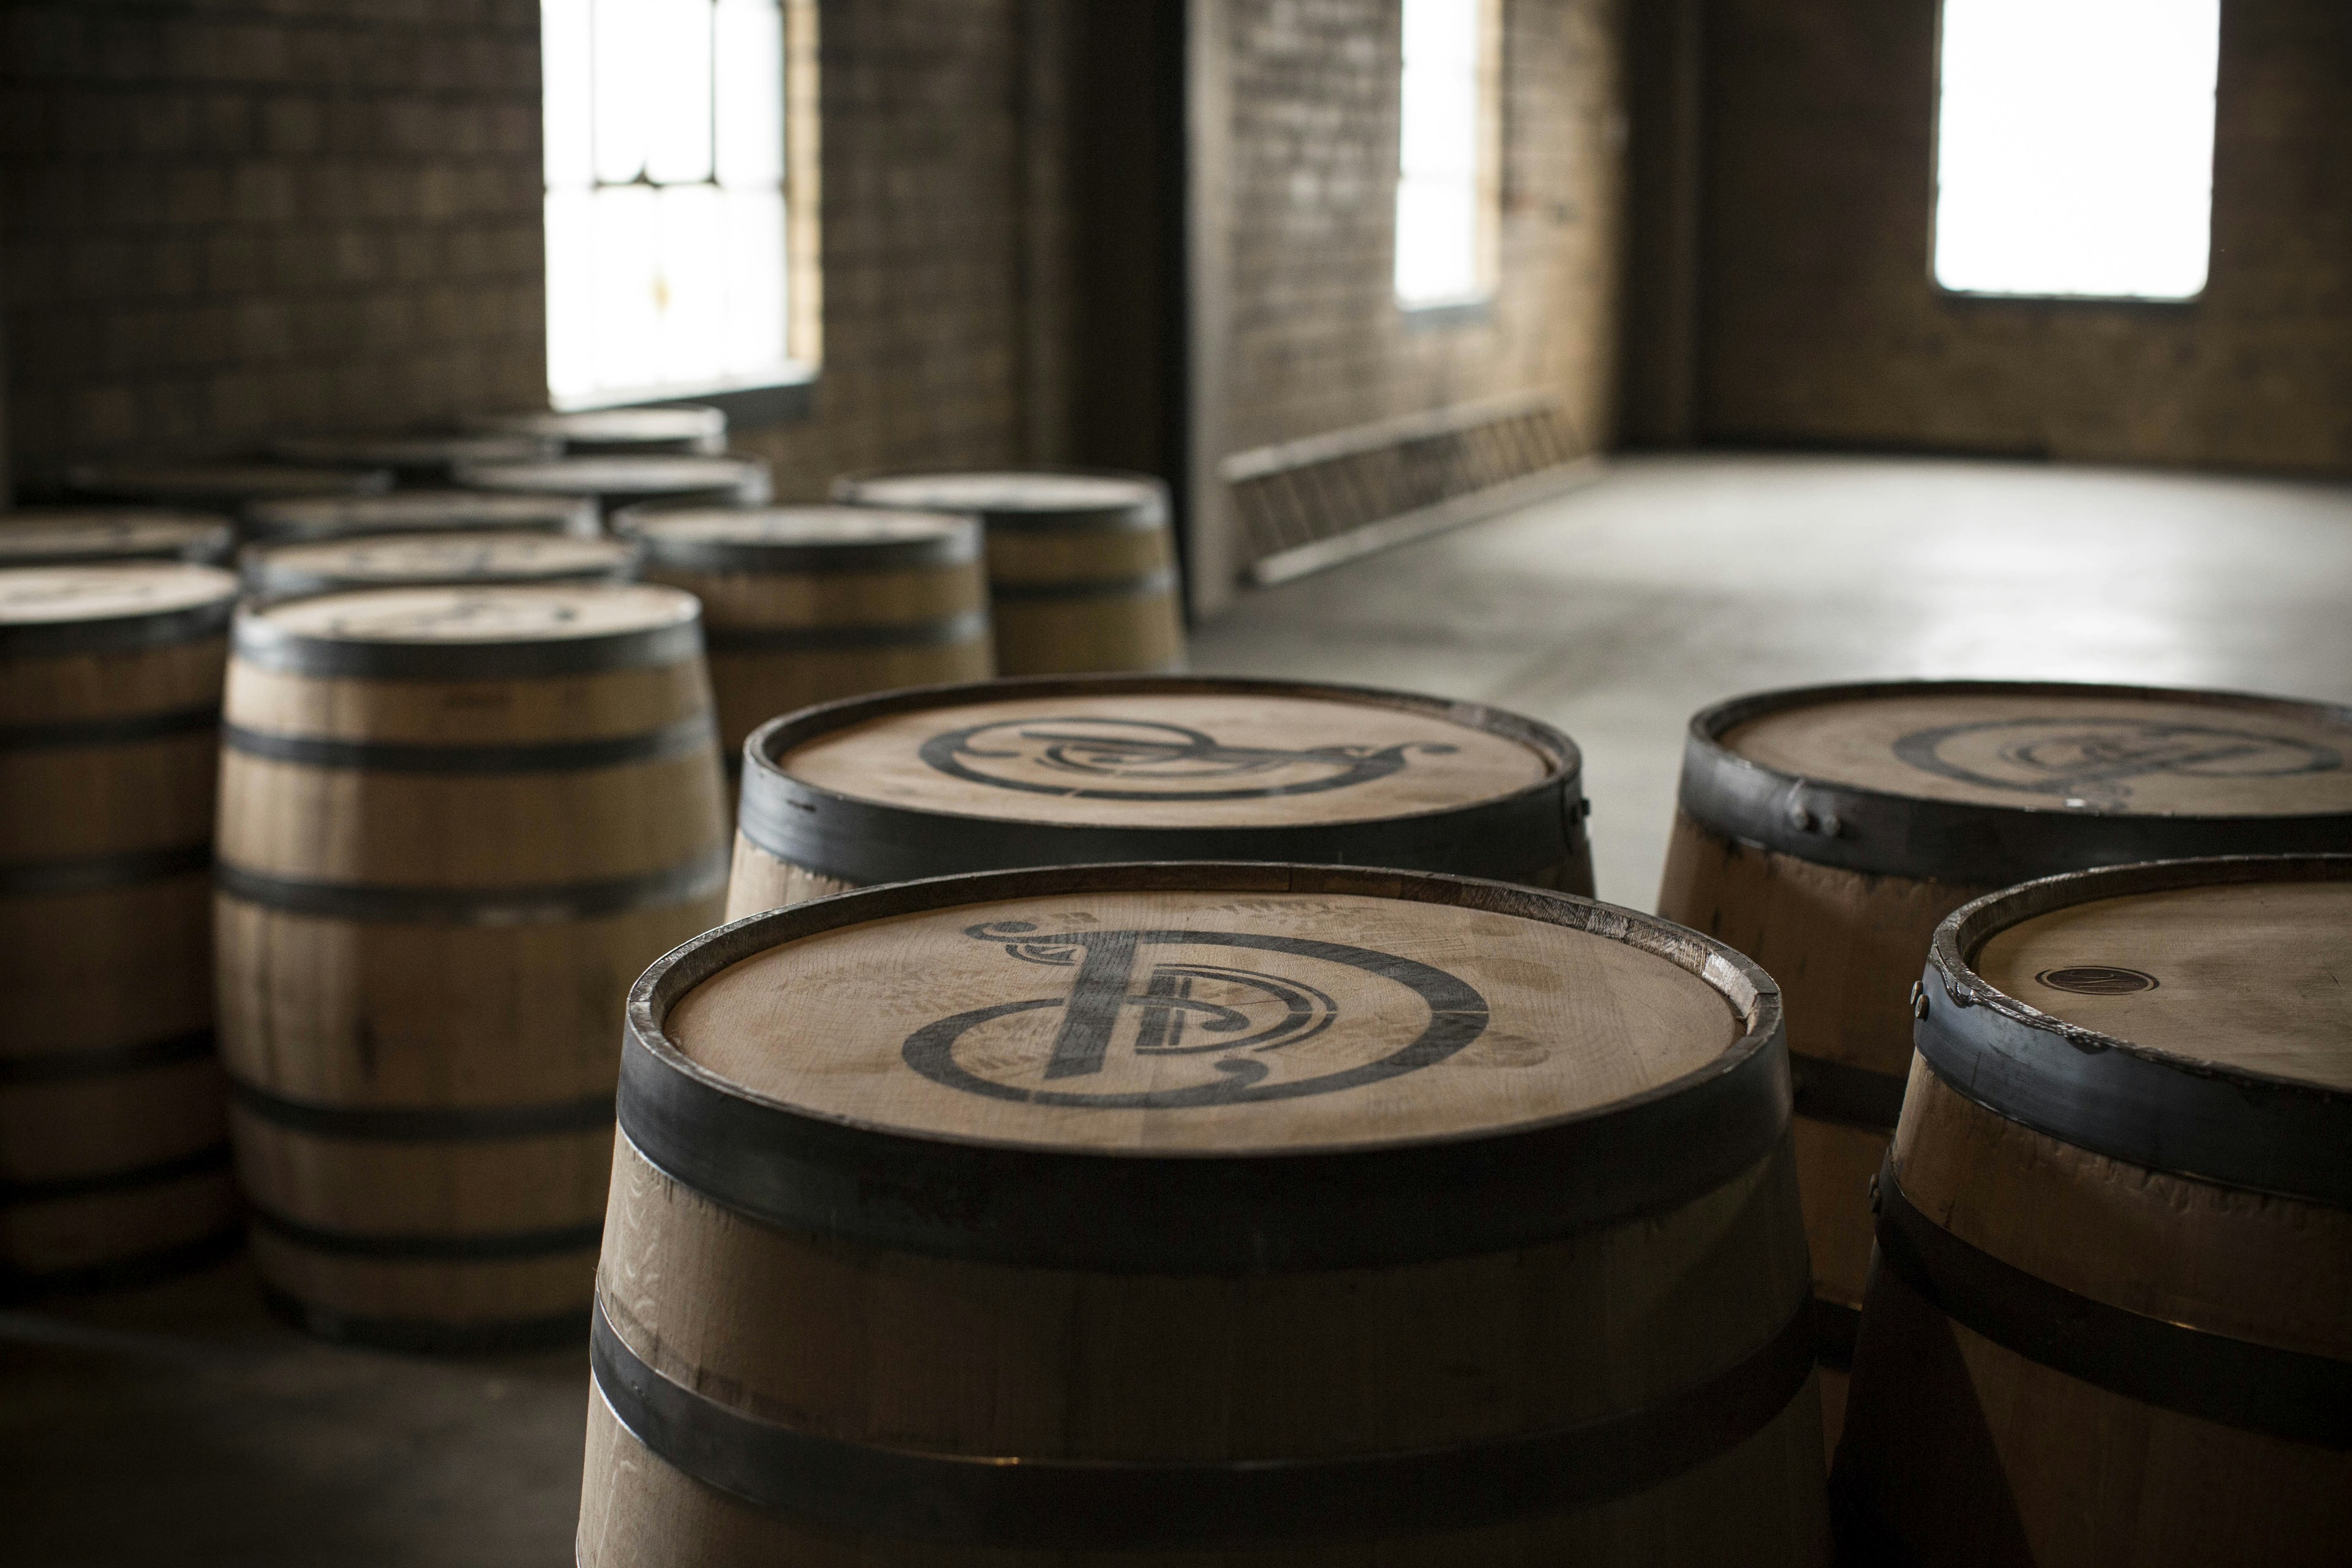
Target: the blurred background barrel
pixel 1082 769
pixel 614 483
pixel 802 604
pixel 454 824
pixel 1825 831
pixel 113 1153
pixel 87 535
pixel 1059 1215
pixel 416 512
pixel 423 559
pixel 2108 1312
pixel 1081 566
pixel 599 431
pixel 414 458
pixel 228 486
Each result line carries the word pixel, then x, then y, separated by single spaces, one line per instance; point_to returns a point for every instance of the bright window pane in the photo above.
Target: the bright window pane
pixel 2074 147
pixel 666 212
pixel 1439 130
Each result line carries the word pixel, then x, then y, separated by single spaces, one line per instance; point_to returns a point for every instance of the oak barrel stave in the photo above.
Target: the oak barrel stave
pixel 113 1161
pixel 1295 772
pixel 1207 1352
pixel 1081 563
pixel 2107 1318
pixel 443 862
pixel 806 605
pixel 1874 811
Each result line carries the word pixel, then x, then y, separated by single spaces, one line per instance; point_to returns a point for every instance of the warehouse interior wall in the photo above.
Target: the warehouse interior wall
pixel 1782 291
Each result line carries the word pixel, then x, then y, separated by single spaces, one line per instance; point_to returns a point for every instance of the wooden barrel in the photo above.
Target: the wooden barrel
pixel 2110 1314
pixel 1076 770
pixel 1267 1214
pixel 1824 832
pixel 220 487
pixel 424 560
pixel 420 512
pixel 89 535
pixel 113 1151
pixel 414 457
pixel 1081 566
pixel 614 483
pixel 454 824
pixel 590 432
pixel 804 605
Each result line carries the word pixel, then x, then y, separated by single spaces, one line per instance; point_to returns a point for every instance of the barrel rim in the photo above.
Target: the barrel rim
pixel 135 633
pixel 210 537
pixel 688 420
pixel 118 481
pixel 1877 832
pixel 749 480
pixel 855 840
pixel 404 451
pixel 1044 1205
pixel 2228 1124
pixel 314 520
pixel 957 544
pixel 255 641
pixel 1147 512
pixel 267 577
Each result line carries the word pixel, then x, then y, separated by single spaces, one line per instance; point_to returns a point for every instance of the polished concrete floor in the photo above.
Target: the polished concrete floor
pixel 181 1425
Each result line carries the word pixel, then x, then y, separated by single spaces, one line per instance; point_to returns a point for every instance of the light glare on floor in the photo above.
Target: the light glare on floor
pixel 2074 147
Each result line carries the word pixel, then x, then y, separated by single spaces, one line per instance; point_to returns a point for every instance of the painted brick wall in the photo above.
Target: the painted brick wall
pixel 1317 344
pixel 1818 322
pixel 230 218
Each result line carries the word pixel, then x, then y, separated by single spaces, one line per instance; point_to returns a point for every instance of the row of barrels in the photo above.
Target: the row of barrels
pixel 1254 1181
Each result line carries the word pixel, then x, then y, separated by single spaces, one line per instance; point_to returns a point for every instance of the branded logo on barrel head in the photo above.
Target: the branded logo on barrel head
pixel 2097 980
pixel 1148 759
pixel 2096 760
pixel 1166 1019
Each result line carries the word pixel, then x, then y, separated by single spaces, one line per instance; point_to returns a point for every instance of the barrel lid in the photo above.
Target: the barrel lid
pixel 2187 1016
pixel 222 484
pixel 503 555
pixel 63 535
pixel 1995 781
pixel 411 450
pixel 470 632
pixel 627 474
pixel 1258 1035
pixel 1061 770
pixel 111 607
pixel 408 511
pixel 694 425
pixel 1017 498
pixel 800 538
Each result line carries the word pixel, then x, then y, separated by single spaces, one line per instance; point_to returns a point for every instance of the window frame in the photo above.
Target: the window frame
pixel 785 391
pixel 1462 310
pixel 1979 299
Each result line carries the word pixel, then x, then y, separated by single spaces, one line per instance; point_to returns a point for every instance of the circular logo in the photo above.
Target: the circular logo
pixel 1169 1019
pixel 2095 760
pixel 1146 759
pixel 2096 980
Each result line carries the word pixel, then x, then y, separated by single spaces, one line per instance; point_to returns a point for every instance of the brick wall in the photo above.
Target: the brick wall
pixel 925 170
pixel 224 219
pixel 1818 322
pixel 1317 341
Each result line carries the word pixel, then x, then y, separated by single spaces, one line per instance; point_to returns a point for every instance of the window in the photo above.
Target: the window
pixel 1449 136
pixel 669 236
pixel 2074 147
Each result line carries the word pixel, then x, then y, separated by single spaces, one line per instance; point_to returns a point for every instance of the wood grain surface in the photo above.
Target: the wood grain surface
pixel 2255 976
pixel 2119 754
pixel 1169 760
pixel 111 534
pixel 457 555
pixel 59 595
pixel 507 614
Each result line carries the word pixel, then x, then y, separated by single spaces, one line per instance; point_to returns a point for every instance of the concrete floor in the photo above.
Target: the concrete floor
pixel 179 1425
